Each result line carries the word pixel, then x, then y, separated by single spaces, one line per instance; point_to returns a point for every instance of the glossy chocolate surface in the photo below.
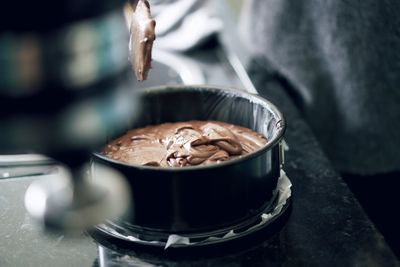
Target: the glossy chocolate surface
pixel 184 144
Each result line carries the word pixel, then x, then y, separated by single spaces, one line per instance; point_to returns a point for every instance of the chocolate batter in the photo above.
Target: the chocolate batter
pixel 184 144
pixel 142 28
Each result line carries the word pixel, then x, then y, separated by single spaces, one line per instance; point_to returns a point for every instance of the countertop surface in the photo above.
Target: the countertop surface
pixel 325 225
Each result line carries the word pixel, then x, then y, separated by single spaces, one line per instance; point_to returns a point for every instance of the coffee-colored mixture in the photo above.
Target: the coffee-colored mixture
pixel 184 144
pixel 142 29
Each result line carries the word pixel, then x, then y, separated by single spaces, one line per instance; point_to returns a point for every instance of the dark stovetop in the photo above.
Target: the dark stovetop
pixel 324 226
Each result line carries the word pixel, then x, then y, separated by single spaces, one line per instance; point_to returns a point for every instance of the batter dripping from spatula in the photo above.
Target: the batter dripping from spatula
pixel 142 36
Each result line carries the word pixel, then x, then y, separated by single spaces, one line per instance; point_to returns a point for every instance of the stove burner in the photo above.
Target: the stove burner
pixel 136 235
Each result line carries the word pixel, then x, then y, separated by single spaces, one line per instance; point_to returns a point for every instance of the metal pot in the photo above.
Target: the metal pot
pixel 202 198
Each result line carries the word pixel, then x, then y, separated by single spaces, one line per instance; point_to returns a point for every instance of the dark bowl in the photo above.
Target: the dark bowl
pixel 202 198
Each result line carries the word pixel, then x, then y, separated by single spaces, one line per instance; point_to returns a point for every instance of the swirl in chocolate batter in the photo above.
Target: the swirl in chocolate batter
pixel 184 144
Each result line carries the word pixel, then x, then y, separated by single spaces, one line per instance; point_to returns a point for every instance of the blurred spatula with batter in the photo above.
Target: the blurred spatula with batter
pixel 142 29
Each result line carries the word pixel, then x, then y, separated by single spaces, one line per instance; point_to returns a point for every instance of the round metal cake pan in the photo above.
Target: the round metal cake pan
pixel 201 198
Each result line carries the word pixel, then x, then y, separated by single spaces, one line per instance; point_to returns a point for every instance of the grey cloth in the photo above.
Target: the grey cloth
pixel 183 25
pixel 344 59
